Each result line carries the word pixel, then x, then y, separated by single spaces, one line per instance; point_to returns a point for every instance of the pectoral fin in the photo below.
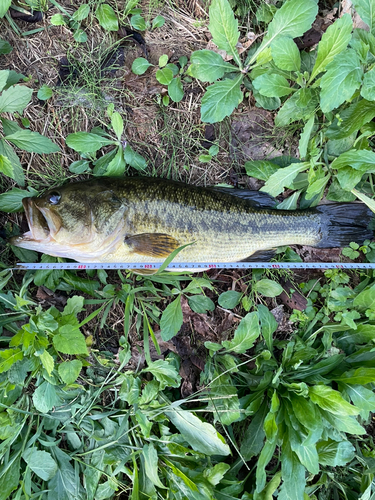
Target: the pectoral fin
pixel 152 244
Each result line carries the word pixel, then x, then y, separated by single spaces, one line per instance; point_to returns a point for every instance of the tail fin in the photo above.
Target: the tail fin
pixel 343 223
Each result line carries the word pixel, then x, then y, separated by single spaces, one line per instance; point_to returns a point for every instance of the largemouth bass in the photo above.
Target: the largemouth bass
pixel 145 219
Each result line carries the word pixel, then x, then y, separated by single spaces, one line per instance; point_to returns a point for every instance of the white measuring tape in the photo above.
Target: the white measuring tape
pixel 181 266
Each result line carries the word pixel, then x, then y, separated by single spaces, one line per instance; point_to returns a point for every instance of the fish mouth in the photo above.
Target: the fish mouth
pixel 39 229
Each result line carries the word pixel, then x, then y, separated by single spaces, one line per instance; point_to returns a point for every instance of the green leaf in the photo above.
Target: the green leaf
pixel 344 423
pixel 47 362
pixel 362 397
pixel 40 462
pixel 15 99
pixel 368 87
pixel 348 178
pixel 201 436
pixel 201 304
pixel 305 137
pixel 163 60
pixel 292 20
pixel 4 6
pixel 116 167
pixel 365 299
pixel 264 458
pixel 44 93
pixel 175 90
pixel 335 453
pixel 272 85
pixel 158 22
pixel 224 28
pixel 12 200
pixel 208 66
pixel 4 74
pixel 164 76
pixel 353 118
pixel 165 373
pixel 80 36
pixel 10 475
pixel 283 177
pixel 171 320
pixel 86 142
pixel 260 169
pixel 285 53
pixel 138 22
pixel 268 324
pixel 82 12
pixel 70 370
pixel 331 400
pixel 229 299
pixel 245 335
pixel 293 474
pixel 58 20
pixel 366 11
pixel 5 47
pixel 70 341
pixel 333 42
pixel 254 435
pixel 293 110
pixel 107 17
pixel 363 375
pixel 117 124
pixel 32 142
pixel 140 65
pixel 6 167
pixel 64 484
pixel 221 99
pixel 342 78
pixel 45 397
pixel 8 357
pixel 317 187
pixel 134 159
pixel 151 464
pixel 268 288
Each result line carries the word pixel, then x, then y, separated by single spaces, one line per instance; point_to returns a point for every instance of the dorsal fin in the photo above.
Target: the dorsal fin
pixel 257 199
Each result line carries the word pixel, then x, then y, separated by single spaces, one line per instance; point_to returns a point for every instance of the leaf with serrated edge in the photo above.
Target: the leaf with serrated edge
pixel 208 66
pixel 224 28
pixel 333 41
pixel 15 99
pixel 285 53
pixel 221 99
pixel 283 177
pixel 366 11
pixel 171 320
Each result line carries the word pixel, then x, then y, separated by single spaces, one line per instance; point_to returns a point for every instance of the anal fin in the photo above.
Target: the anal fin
pixel 152 244
pixel 261 256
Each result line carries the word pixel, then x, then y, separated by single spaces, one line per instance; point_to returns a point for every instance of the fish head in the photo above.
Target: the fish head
pixel 77 221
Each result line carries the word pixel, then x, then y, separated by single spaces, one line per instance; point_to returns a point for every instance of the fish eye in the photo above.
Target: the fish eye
pixel 54 198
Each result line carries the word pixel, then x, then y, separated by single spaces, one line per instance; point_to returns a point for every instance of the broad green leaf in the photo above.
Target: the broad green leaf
pixel 15 99
pixel 366 11
pixel 268 288
pixel 352 119
pixel 331 400
pixel 344 423
pixel 40 462
pixel 164 76
pixel 158 22
pixel 86 142
pixel 264 458
pixel 58 20
pixel 32 142
pixel 245 335
pixel 117 124
pixel 70 370
pixel 306 412
pixel 333 42
pixel 6 167
pixel 44 92
pixel 368 87
pixel 254 434
pixel 291 111
pixel 165 373
pixel 224 27
pixel 134 159
pixel 201 436
pixel 224 404
pixel 317 187
pixel 305 137
pixel 70 341
pixel 363 375
pixel 362 397
pixel 342 78
pixel 285 53
pixel 8 357
pixel 140 65
pixel 360 160
pixel 348 178
pixel 216 473
pixel 47 362
pixel 171 320
pixel 4 77
pixel 4 6
pixel 201 304
pixel 260 169
pixel 175 90
pixel 293 474
pixel 116 167
pixel 45 397
pixel 163 60
pixel 11 201
pixel 82 12
pixel 268 324
pixel 335 453
pixel 229 299
pixel 74 305
pixel 283 177
pixel 365 299
pixel 107 17
pixel 5 47
pixel 10 476
pixel 64 484
pixel 151 464
pixel 290 203
pixel 221 99
pixel 208 66
pixel 292 20
pixel 272 85
pixel 369 202
pixel 138 22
